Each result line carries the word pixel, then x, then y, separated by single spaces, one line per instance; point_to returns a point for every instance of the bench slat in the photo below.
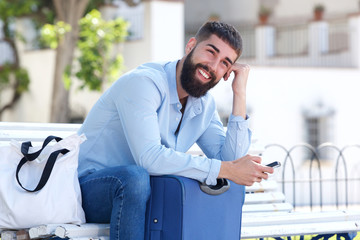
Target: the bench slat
pixel 267 197
pixel 299 229
pixel 262 208
pixel 88 229
pixel 253 226
pixel 263 186
pixel 301 218
pixel 36 132
pixel 39 126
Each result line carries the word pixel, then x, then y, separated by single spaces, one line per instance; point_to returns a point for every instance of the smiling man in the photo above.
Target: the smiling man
pixel 146 122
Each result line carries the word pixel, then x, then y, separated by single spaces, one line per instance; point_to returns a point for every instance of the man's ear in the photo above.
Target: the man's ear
pixel 190 45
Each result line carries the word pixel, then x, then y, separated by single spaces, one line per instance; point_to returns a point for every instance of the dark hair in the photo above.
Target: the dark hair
pixel 224 31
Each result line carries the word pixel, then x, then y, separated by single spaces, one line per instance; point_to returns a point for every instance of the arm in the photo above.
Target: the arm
pixel 248 169
pixel 241 73
pixel 138 101
pixel 226 146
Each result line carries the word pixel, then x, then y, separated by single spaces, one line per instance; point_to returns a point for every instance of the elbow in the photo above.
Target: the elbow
pixel 149 159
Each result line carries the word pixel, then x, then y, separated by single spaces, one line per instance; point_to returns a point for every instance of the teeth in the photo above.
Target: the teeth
pixel 204 74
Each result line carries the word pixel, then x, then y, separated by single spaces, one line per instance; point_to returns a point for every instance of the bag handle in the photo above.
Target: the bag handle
pixel 222 185
pixel 32 156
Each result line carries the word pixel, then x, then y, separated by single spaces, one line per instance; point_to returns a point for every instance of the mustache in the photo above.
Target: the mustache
pixel 206 68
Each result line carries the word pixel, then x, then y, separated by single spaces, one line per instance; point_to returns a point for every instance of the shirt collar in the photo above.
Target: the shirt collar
pixel 193 103
pixel 170 70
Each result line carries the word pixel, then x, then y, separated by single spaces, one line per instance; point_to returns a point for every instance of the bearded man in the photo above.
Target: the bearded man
pixel 149 118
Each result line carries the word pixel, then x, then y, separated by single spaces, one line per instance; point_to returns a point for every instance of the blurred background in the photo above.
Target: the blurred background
pixel 303 86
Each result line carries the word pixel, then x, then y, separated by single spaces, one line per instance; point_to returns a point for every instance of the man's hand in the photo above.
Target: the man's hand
pixel 241 73
pixel 245 170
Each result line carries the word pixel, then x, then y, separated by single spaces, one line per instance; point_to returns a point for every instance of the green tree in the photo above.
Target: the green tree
pixel 68 12
pixel 12 76
pixel 97 62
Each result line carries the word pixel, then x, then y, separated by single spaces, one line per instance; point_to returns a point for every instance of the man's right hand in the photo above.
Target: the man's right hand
pixel 245 171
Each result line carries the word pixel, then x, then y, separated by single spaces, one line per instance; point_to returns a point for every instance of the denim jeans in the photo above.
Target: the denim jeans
pixel 118 196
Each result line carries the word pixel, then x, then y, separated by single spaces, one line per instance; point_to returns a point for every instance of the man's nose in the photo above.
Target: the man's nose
pixel 213 66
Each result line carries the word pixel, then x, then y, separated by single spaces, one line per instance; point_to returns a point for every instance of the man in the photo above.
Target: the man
pixel 151 116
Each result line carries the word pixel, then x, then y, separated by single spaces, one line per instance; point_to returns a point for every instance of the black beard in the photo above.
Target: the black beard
pixel 194 87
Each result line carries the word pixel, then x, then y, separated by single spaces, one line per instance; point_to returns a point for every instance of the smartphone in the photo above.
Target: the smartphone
pixel 274 164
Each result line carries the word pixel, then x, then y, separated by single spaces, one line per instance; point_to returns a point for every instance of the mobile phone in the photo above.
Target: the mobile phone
pixel 274 164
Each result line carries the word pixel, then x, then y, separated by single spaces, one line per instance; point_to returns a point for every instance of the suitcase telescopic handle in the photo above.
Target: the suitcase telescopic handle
pixel 221 186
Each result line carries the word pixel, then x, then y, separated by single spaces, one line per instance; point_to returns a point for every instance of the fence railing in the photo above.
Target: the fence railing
pixel 330 43
pixel 331 182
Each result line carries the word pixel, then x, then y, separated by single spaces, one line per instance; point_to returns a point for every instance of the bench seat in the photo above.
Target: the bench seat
pixel 265 212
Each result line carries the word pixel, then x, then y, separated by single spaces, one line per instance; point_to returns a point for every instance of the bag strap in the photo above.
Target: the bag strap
pixel 48 166
pixel 32 156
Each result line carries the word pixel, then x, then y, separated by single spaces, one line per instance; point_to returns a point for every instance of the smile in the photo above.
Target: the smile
pixel 204 74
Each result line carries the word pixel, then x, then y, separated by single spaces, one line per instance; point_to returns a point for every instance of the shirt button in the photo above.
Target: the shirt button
pixel 177 119
pixel 178 105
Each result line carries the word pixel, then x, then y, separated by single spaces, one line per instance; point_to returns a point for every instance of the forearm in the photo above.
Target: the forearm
pixel 239 104
pixel 166 161
pixel 238 138
pixel 239 89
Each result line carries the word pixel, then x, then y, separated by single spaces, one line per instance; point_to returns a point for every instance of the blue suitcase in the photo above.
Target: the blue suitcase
pixel 179 210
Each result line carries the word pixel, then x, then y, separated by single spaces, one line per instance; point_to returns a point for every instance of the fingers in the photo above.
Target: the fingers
pixel 238 69
pixel 267 169
pixel 261 172
pixel 246 170
pixel 256 159
pixel 240 66
pixel 226 76
pixel 249 157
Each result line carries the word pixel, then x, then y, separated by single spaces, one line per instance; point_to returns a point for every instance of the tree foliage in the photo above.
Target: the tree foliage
pixel 64 39
pixel 98 63
pixel 12 76
pixel 52 34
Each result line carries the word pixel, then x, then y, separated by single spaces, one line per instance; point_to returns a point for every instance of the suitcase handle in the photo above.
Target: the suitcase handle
pixel 222 185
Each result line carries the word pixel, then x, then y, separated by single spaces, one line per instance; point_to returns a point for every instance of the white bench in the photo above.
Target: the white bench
pixel 265 212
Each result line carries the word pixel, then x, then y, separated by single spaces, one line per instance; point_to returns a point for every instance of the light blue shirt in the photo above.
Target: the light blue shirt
pixel 135 122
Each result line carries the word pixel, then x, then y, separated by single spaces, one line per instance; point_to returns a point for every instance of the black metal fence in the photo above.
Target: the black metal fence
pixel 317 182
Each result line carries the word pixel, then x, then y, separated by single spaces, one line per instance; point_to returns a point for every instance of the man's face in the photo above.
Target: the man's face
pixel 206 63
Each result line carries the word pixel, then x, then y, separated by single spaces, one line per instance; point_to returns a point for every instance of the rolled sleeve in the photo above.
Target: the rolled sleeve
pixel 214 172
pixel 238 138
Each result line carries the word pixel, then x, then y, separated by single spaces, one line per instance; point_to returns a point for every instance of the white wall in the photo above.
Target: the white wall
pixel 34 105
pixel 163 34
pixel 167 29
pixel 198 11
pixel 278 96
pixel 276 99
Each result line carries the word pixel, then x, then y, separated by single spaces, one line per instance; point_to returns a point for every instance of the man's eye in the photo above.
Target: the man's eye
pixel 226 64
pixel 211 51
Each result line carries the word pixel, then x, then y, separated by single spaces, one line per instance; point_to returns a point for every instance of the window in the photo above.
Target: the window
pixel 135 16
pixel 318 128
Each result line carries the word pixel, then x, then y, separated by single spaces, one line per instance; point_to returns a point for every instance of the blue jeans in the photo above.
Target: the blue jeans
pixel 118 196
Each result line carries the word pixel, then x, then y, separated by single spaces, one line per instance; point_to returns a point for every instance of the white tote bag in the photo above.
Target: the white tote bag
pixel 39 185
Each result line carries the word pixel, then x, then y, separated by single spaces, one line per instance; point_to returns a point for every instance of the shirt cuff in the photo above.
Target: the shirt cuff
pixel 214 172
pixel 238 118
